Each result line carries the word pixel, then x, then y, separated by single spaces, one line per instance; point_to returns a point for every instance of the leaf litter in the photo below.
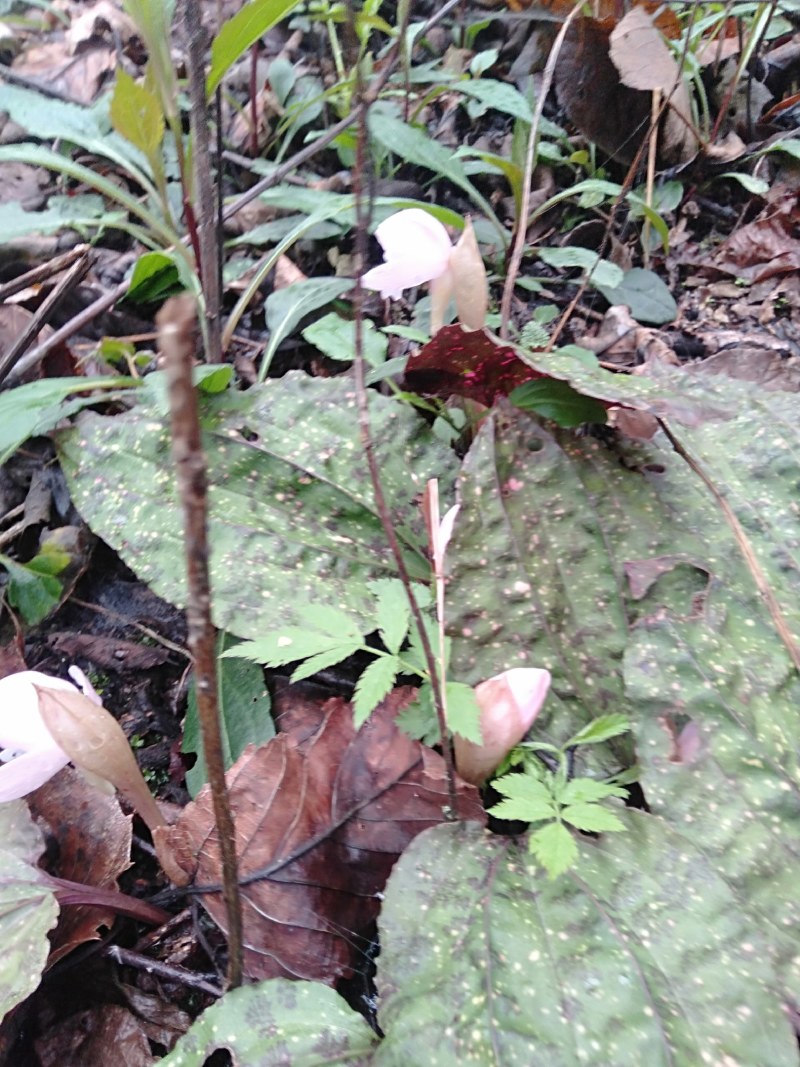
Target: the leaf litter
pixel 602 555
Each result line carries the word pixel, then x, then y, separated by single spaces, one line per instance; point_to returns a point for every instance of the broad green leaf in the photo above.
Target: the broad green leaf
pixel 601 273
pixel 136 113
pixel 591 818
pixel 335 337
pixel 244 713
pixel 285 308
pixel 50 120
pixel 757 186
pixel 293 520
pixel 554 847
pixel 240 32
pixel 263 1024
pixel 646 295
pixel 82 213
pixel 641 956
pixel 417 147
pixel 497 95
pixel 36 407
pixel 33 595
pixel 558 401
pixel 28 907
pixel 372 686
pixel 154 277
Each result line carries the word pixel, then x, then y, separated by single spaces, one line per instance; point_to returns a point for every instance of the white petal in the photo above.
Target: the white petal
pixel 27 772
pixel 529 686
pixel 21 726
pixel 416 249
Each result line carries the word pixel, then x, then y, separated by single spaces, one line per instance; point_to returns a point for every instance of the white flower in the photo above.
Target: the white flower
pixel 30 755
pixel 509 704
pixel 417 249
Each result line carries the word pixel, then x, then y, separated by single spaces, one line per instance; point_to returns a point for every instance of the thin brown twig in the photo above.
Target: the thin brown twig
pixel 206 210
pixel 73 277
pixel 362 220
pixel 41 273
pixel 518 248
pixel 176 322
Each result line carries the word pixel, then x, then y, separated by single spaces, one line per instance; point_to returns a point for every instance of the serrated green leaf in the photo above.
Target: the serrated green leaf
pixel 463 711
pixel 592 818
pixel 372 686
pixel 136 113
pixel 283 646
pixel 258 1023
pixel 587 790
pixel 393 612
pixel 240 32
pixel 601 729
pixel 643 956
pixel 554 847
pixel 526 798
pixel 419 720
pixel 244 713
pixel 322 660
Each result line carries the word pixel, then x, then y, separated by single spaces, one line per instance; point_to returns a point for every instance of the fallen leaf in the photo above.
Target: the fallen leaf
pixel 322 813
pixel 106 1034
pixel 89 841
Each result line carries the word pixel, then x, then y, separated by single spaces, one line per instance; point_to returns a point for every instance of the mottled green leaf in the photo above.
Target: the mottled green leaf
pixel 275 1023
pixel 28 908
pixel 293 520
pixel 642 956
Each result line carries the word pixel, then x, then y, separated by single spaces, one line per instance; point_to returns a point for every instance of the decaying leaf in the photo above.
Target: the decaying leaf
pixel 89 842
pixel 322 812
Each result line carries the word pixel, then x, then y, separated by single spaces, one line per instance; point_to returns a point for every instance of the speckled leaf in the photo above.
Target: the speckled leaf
pixel 641 958
pixel 293 518
pixel 716 701
pixel 275 1023
pixel 28 909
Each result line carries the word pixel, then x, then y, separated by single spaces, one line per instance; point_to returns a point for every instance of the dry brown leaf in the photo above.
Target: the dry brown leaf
pixel 76 77
pixel 109 1034
pixel 766 247
pixel 89 841
pixel 641 55
pixel 322 814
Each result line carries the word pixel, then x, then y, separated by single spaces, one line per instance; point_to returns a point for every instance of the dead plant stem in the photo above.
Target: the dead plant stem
pixel 435 671
pixel 518 249
pixel 206 211
pixel 176 322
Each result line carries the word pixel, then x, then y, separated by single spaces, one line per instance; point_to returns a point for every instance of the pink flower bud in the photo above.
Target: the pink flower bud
pixel 509 704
